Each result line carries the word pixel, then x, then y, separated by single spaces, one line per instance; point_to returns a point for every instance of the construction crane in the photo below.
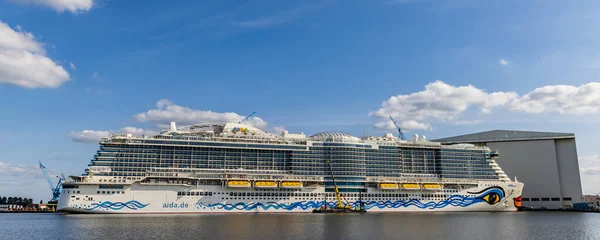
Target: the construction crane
pixel 247 117
pixel 338 197
pixel 400 134
pixel 339 206
pixel 56 189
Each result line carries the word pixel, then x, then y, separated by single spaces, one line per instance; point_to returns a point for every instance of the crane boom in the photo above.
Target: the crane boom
pixel 56 189
pixel 335 188
pixel 400 134
pixel 47 176
pixel 247 117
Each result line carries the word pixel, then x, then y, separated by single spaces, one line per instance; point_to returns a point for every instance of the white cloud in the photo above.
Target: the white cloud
pixel 563 99
pixel 468 122
pixel 439 101
pixel 72 65
pixel 89 136
pixel 412 124
pixel 23 61
pixel 590 170
pixel 94 136
pixel 167 112
pixel 590 158
pixel 503 62
pixel 443 102
pixel 19 39
pixel 404 125
pixel 278 129
pixel 74 6
pixel 138 131
pixel 8 169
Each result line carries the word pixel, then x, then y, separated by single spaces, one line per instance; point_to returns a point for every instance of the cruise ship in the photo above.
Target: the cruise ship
pixel 237 168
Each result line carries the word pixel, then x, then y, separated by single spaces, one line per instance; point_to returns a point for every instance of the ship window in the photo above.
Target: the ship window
pixel 555 199
pixel 567 199
pixel 545 199
pixel 98 192
pixel 535 199
pixel 103 192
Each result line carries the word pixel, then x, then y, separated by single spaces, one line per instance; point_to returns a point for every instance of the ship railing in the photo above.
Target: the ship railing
pixel 273 139
pixel 169 174
pixel 427 180
pixel 224 175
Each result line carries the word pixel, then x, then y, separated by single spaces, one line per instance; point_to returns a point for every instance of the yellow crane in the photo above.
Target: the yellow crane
pixel 338 197
pixel 339 207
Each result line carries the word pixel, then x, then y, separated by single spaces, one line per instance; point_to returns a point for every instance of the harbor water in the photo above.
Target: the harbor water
pixel 488 226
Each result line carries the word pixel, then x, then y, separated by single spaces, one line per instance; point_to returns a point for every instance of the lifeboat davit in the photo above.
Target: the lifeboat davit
pixel 238 184
pixel 411 186
pixel 291 184
pixel 265 184
pixel 388 186
pixel 432 186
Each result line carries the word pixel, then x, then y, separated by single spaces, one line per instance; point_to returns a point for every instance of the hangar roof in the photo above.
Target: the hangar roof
pixel 504 136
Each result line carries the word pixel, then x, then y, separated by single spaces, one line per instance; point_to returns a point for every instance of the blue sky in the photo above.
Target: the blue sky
pixel 72 71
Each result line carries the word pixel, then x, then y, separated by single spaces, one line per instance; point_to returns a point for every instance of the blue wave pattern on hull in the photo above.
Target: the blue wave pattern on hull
pixel 453 200
pixel 133 205
pixel 304 205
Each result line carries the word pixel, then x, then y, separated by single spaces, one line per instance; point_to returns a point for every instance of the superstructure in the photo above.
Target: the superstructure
pixel 233 167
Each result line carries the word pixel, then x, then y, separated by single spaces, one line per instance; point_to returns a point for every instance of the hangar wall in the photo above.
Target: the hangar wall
pixel 545 162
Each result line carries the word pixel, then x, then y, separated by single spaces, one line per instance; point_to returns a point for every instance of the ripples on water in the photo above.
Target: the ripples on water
pixel 488 226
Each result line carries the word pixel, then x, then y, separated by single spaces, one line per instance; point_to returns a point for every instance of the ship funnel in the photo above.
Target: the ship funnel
pixel 173 127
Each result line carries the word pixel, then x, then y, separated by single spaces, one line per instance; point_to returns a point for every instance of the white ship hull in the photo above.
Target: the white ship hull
pixel 173 199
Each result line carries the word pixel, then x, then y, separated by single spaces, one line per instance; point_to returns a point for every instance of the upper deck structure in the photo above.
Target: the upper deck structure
pixel 237 146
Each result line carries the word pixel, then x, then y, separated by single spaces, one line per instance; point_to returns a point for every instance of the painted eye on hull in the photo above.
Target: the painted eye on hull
pixel 491 198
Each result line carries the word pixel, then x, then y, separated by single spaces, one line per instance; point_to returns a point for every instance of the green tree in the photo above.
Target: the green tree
pixel 19 201
pixel 10 200
pixel 2 200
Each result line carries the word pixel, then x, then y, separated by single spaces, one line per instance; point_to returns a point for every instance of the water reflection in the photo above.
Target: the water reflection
pixel 543 225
